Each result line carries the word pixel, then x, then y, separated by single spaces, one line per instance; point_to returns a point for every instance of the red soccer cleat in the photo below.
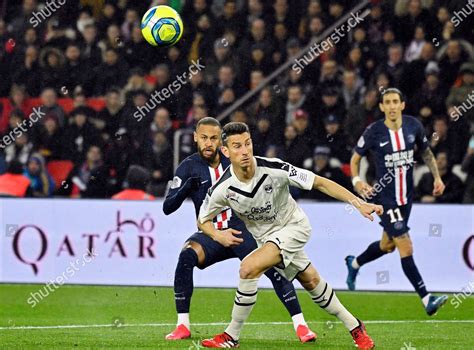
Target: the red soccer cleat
pixel 181 332
pixel 361 338
pixel 222 340
pixel 305 334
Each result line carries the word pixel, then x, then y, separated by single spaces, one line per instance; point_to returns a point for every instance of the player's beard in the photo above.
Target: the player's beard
pixel 209 159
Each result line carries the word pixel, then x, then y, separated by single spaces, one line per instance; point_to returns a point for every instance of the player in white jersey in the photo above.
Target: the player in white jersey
pixel 257 190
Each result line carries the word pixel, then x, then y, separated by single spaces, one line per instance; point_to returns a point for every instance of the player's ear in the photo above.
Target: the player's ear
pixel 225 151
pixel 381 107
pixel 195 136
pixel 402 105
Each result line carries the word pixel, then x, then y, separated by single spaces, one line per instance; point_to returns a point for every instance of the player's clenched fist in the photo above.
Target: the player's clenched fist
pixel 228 239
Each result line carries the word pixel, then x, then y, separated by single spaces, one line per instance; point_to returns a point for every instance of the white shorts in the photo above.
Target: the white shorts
pixel 291 241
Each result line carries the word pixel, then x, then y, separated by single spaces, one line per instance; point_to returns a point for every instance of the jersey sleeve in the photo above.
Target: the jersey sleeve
pixel 421 140
pixel 178 190
pixel 212 205
pixel 300 178
pixel 365 142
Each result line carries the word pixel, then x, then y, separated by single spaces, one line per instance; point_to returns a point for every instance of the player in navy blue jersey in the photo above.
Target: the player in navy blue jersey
pixel 193 178
pixel 393 142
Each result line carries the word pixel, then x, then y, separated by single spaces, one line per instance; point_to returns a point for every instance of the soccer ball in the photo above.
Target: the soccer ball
pixel 162 26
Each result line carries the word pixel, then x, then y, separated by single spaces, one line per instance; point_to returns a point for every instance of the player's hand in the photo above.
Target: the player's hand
pixel 438 187
pixel 364 189
pixel 227 237
pixel 367 209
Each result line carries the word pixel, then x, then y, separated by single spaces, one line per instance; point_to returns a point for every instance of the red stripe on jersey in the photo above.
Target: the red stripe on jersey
pixel 397 138
pixel 219 225
pixel 224 215
pixel 216 170
pixel 398 141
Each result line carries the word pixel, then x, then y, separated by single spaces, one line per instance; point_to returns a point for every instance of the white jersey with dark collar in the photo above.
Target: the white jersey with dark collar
pixel 264 203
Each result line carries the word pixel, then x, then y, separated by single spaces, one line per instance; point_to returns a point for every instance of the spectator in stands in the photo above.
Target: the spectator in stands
pixel 110 16
pixel 136 82
pixel 454 186
pixel 296 99
pixel 360 116
pixel 53 73
pixel 28 72
pixel 159 161
pixel 42 184
pixel 90 179
pixel 268 106
pixel 280 37
pixel 394 65
pixel 131 21
pixel 112 72
pixel 163 80
pixel 110 117
pixel 78 72
pixel 79 103
pixel 321 166
pixel 202 39
pixel 19 23
pixel 352 89
pixel 461 96
pixel 19 150
pixel 78 137
pixel 410 15
pixel 162 123
pixel 336 140
pixel 468 167
pixel 49 139
pixel 303 128
pixel 262 135
pixel 450 63
pixel 227 80
pixel 332 104
pixel 330 76
pixel 49 106
pixel 295 149
pixel 89 47
pixel 136 184
pixel 429 100
pixel 17 101
pixel 452 136
pixel 13 183
pixel 414 75
pixel 230 18
pixel 195 85
pixel 413 51
pixel 257 36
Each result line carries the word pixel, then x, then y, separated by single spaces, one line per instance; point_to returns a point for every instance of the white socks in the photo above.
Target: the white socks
pixel 297 320
pixel 184 319
pixel 355 265
pixel 324 296
pixel 245 299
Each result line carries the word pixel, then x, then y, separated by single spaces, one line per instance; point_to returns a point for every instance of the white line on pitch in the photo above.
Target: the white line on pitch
pixel 220 324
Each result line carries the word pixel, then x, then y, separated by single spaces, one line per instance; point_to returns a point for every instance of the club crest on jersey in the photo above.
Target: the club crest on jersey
pixel 176 183
pixel 411 138
pixel 268 188
pixel 232 196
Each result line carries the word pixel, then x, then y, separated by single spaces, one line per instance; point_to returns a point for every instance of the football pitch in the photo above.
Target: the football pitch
pixel 96 317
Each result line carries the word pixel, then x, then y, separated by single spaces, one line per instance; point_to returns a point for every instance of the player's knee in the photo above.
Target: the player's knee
pixel 310 283
pixel 197 248
pixel 247 270
pixel 387 247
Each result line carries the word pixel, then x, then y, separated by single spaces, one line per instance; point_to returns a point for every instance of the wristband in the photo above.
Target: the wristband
pixel 355 180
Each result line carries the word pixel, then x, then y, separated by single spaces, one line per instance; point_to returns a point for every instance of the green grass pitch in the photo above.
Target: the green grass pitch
pixel 139 317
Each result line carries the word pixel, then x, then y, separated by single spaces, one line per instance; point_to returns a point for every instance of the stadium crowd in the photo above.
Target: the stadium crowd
pixel 85 69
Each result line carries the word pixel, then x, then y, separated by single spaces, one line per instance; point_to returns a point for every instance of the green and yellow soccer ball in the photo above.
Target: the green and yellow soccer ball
pixel 162 26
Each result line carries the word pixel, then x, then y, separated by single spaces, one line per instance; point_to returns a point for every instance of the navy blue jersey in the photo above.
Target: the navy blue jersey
pixel 393 154
pixel 181 188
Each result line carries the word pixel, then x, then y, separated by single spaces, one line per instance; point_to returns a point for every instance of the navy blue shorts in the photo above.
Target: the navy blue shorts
pixel 394 219
pixel 216 252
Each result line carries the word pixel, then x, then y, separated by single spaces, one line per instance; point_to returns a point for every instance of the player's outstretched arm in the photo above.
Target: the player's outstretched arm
pixel 336 191
pixel 430 161
pixel 225 237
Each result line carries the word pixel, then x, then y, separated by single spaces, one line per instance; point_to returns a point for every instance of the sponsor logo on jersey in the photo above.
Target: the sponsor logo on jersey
pixel 293 172
pixel 411 138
